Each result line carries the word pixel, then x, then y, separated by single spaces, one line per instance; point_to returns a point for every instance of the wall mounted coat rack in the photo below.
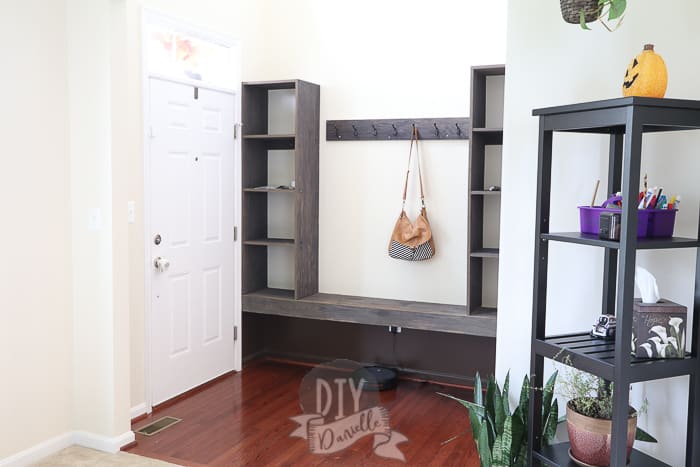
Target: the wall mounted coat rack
pixel 397 129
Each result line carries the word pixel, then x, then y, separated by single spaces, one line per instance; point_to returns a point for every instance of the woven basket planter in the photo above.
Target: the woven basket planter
pixel 570 10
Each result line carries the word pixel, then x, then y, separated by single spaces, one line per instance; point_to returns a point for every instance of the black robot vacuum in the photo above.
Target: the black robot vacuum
pixel 376 378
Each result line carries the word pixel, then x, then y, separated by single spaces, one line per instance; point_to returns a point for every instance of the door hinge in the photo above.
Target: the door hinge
pixel 235 333
pixel 235 233
pixel 150 132
pixel 235 130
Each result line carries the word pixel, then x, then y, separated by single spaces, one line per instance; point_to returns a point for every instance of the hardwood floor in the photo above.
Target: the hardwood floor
pixel 244 419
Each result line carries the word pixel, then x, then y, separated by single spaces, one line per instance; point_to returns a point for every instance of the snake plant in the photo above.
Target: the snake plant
pixel 501 436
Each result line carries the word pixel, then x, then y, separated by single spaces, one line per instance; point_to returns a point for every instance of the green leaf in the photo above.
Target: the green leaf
pixel 476 424
pixel 524 404
pixel 497 456
pixel 521 460
pixel 479 409
pixel 550 425
pixel 582 21
pixel 642 435
pixel 548 392
pixel 478 391
pixel 500 415
pixel 506 389
pixel 482 445
pixel 519 436
pixel 617 9
pixel 508 440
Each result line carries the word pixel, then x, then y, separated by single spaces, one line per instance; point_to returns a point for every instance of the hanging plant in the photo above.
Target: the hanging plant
pixel 583 12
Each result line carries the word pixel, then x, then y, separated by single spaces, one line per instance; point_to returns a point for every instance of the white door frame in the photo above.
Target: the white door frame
pixel 149 16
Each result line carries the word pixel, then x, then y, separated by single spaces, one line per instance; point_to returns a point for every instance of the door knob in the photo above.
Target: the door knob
pixel 161 264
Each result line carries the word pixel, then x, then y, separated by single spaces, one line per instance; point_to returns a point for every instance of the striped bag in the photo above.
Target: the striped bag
pixel 412 241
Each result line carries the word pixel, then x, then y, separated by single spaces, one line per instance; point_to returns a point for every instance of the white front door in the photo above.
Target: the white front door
pixel 191 236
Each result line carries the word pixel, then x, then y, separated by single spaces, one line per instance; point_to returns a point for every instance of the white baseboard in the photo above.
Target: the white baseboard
pixel 52 446
pixel 102 443
pixel 38 452
pixel 139 410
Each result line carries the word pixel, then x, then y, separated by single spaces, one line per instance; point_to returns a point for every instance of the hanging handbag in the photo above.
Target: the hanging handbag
pixel 412 241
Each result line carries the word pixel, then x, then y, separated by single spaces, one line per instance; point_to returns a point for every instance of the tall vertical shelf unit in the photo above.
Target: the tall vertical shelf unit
pixel 625 120
pixel 259 138
pixel 485 131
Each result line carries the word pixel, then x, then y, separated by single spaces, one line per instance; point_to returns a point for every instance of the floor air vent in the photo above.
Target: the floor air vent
pixel 158 426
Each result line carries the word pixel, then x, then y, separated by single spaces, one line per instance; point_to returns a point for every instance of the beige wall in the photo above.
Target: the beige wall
pixel 552 63
pixel 35 292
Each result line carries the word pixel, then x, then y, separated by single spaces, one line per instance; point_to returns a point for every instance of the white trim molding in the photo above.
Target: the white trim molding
pixel 103 443
pixel 81 438
pixel 38 452
pixel 139 410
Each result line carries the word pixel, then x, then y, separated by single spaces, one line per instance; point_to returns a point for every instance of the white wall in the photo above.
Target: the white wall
pixel 35 272
pixel 392 59
pixel 549 63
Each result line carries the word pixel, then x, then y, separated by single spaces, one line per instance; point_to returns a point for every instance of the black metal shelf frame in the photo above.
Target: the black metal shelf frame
pixel 625 120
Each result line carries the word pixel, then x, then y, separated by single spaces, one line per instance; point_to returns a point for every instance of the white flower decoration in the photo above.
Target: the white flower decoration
pixel 675 323
pixel 661 332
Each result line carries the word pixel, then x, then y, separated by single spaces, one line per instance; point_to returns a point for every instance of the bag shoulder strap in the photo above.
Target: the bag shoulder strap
pixel 414 136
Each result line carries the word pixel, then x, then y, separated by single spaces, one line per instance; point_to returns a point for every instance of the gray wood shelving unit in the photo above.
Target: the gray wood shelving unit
pixel 625 120
pixel 257 141
pixel 480 137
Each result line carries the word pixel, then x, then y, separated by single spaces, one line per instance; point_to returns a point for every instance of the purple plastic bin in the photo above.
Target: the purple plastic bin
pixel 650 222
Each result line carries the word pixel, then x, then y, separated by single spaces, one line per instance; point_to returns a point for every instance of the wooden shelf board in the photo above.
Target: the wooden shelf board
pixel 484 311
pixel 270 242
pixel 489 70
pixel 281 84
pixel 372 311
pixel 487 130
pixel 487 136
pixel 642 243
pixel 485 253
pixel 278 136
pixel 268 190
pixel 557 455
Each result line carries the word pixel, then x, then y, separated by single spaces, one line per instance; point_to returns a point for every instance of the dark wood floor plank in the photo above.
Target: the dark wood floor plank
pixel 244 419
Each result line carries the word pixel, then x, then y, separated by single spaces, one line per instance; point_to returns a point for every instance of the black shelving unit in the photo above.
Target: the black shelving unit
pixel 480 136
pixel 625 120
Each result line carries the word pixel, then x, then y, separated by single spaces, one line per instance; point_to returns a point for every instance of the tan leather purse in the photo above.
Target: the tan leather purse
pixel 412 241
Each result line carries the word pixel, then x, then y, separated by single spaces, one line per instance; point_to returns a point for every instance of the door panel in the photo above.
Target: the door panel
pixel 192 209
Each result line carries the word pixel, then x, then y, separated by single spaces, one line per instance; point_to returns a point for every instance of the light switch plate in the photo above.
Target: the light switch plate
pixel 131 212
pixel 95 219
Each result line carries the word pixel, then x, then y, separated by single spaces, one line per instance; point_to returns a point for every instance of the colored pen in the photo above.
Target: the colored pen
pixel 671 204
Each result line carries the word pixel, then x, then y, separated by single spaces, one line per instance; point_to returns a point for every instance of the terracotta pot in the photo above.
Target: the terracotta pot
pixel 590 437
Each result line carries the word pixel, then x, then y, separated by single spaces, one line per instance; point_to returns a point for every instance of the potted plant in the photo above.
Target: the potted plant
pixel 501 436
pixel 589 418
pixel 583 12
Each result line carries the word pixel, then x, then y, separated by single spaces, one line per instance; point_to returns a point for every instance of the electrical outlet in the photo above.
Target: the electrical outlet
pixel 395 329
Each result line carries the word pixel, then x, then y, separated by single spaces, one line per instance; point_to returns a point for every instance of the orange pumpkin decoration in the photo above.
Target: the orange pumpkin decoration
pixel 646 75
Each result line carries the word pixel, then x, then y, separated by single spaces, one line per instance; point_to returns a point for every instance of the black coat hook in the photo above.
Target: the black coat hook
pixel 374 130
pixel 354 131
pixel 437 130
pixel 335 127
pixel 459 130
pixel 396 132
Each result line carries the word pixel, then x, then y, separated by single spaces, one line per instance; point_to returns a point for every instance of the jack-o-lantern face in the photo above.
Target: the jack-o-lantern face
pixel 646 75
